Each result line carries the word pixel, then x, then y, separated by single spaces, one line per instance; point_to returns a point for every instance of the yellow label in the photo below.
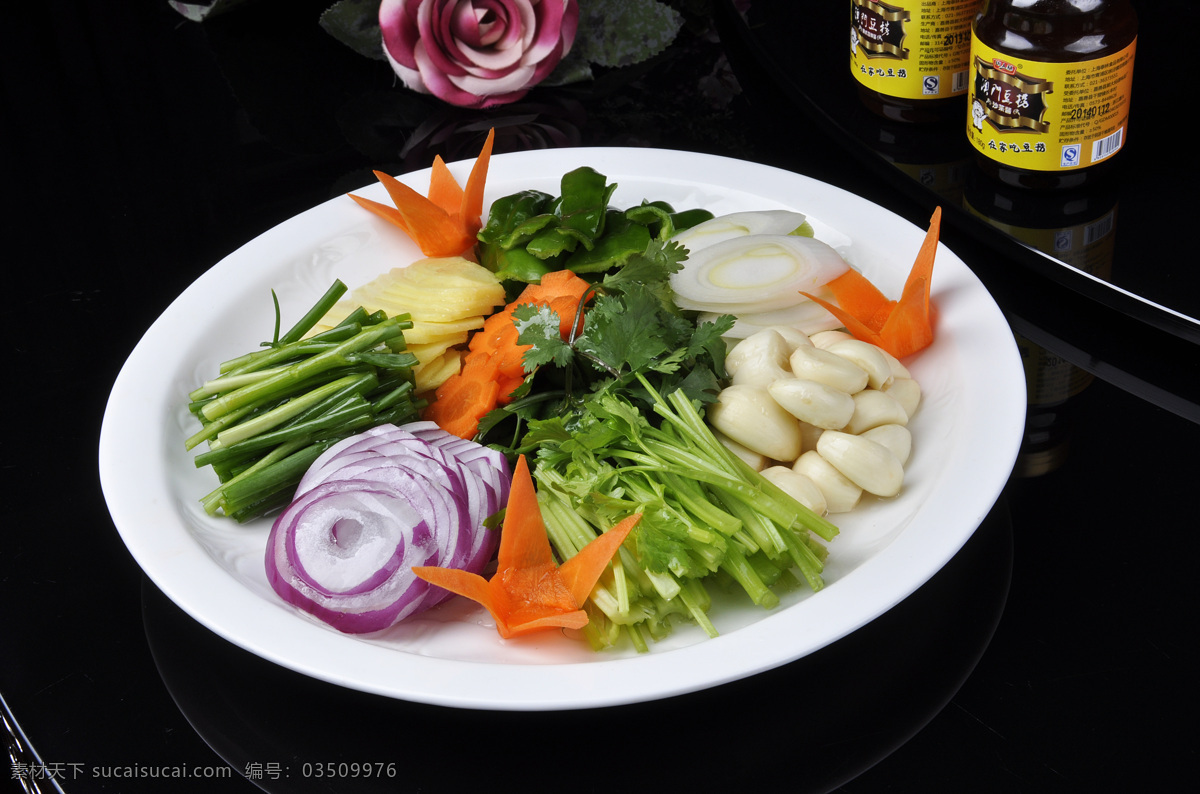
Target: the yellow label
pixel 1048 116
pixel 913 49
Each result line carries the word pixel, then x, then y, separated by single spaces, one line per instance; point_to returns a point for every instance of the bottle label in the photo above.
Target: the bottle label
pixel 1044 116
pixel 913 49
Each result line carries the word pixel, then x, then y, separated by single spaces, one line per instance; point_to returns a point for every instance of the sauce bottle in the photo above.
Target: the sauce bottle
pixel 1050 89
pixel 910 57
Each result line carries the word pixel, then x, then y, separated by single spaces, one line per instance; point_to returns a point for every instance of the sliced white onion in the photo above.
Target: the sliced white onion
pixel 738 224
pixel 805 316
pixel 373 506
pixel 762 272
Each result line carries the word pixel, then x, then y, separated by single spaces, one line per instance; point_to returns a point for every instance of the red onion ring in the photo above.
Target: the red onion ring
pixel 372 507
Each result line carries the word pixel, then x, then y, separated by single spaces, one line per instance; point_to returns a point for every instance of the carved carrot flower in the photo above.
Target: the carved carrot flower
pixel 444 223
pixel 529 591
pixel 900 327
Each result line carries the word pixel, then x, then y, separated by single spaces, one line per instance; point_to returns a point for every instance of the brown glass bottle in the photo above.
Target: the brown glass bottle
pixel 909 57
pixel 1071 63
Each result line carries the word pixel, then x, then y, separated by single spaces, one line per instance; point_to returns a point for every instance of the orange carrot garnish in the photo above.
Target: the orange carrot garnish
pixel 444 190
pixel 528 591
pixel 862 299
pixel 496 359
pixel 900 327
pixel 445 223
pixel 466 397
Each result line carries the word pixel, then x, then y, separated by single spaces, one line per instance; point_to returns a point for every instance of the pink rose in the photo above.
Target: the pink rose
pixel 476 53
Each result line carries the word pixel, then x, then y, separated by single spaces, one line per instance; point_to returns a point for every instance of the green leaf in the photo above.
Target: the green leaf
pixel 707 340
pixel 700 384
pixel 625 331
pixel 573 68
pixel 618 33
pixel 355 23
pixel 540 326
pixel 652 266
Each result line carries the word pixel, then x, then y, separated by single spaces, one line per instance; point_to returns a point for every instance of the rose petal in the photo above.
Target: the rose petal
pixel 398 24
pixel 476 53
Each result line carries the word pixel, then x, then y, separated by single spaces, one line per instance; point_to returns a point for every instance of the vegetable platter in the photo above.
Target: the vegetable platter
pixel 966 437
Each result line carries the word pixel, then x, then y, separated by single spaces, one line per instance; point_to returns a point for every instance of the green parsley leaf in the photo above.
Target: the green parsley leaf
pixel 540 326
pixel 651 267
pixel 624 331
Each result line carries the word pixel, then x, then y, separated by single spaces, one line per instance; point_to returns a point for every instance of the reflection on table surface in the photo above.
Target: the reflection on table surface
pixel 1118 258
pixel 847 699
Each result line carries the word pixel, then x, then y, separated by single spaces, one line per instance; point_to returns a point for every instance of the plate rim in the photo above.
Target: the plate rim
pixel 440 673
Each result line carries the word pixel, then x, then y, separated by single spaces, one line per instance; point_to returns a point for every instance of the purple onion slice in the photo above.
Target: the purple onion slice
pixel 372 507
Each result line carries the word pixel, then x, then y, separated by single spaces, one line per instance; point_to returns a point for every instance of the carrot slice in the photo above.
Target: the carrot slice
pixel 444 190
pixel 922 269
pixel 524 543
pixel 908 329
pixel 389 214
pixel 854 325
pixel 444 223
pixel 498 335
pixel 435 232
pixel 858 296
pixel 556 283
pixel 900 327
pixel 582 571
pixel 507 386
pixel 466 397
pixel 528 591
pixel 496 343
pixel 471 207
pixel 459 582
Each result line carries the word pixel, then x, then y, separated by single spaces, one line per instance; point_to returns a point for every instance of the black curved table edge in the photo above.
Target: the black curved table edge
pixel 21 752
pixel 990 545
pixel 1076 306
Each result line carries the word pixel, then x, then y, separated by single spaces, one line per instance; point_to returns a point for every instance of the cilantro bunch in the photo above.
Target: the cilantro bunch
pixel 613 417
pixel 631 327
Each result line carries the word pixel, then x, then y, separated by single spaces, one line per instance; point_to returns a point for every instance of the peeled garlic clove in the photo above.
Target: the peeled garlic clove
pixel 873 408
pixel 866 463
pixel 907 392
pixel 759 359
pixel 751 458
pixel 898 369
pixel 798 486
pixel 896 438
pixel 815 403
pixel 793 336
pixel 808 435
pixel 841 495
pixel 867 356
pixel 823 339
pixel 823 366
pixel 749 416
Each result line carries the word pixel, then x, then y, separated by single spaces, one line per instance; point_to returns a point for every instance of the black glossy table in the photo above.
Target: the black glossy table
pixel 1055 652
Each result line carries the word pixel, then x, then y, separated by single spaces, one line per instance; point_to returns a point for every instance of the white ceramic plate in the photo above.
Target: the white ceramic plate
pixel 966 437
